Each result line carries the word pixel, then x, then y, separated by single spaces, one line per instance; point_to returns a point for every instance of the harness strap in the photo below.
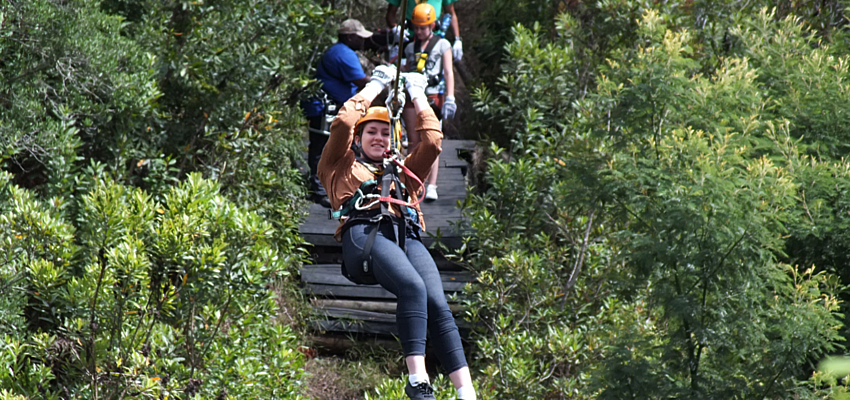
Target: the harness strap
pixel 387 178
pixel 351 203
pixel 366 257
pixel 402 208
pixel 422 57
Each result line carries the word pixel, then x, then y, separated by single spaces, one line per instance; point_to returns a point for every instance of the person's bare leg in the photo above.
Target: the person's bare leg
pixel 416 366
pixel 462 379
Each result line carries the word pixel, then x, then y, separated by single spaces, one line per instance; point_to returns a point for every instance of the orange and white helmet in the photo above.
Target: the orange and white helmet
pixel 381 114
pixel 373 114
pixel 424 14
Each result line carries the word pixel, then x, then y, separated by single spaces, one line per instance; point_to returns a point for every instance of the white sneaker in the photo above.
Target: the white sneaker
pixel 431 192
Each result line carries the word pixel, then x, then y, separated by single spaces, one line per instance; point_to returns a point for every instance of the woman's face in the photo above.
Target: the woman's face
pixel 422 32
pixel 375 139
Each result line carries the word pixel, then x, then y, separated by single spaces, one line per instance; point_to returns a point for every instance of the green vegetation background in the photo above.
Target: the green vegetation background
pixel 661 210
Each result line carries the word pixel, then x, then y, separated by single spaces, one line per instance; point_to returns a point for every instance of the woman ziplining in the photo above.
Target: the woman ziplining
pixel 380 233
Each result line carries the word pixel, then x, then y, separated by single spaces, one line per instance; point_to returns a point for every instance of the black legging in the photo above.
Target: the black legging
pixel 314 154
pixel 413 277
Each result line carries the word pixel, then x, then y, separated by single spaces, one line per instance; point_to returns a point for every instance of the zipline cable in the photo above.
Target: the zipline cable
pixel 395 98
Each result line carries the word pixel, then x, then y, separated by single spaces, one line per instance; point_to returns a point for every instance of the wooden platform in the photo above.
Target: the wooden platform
pixel 341 306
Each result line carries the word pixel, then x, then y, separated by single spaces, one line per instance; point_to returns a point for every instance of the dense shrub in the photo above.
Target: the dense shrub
pixel 636 235
pixel 149 196
pixel 179 87
pixel 150 299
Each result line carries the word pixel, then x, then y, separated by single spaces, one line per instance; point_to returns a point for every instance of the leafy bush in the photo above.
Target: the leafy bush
pixel 636 235
pixel 807 89
pixel 393 389
pixel 150 299
pixel 176 88
pixel 117 278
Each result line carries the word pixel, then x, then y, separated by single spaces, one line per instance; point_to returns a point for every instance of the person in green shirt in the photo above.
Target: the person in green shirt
pixel 392 22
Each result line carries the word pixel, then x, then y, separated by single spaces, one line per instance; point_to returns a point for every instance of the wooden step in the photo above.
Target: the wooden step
pixel 330 274
pixel 388 307
pixel 327 280
pixel 376 325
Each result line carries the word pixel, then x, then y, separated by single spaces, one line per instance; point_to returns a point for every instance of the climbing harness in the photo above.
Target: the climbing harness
pixel 365 198
pixel 421 58
pixel 359 209
pixel 436 100
pixel 422 51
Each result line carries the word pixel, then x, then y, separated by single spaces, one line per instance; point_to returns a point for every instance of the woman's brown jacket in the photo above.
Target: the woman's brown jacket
pixel 341 174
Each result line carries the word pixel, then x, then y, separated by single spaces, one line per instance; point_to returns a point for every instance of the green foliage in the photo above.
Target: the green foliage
pixel 12 300
pixel 393 389
pixel 593 31
pixel 154 298
pixel 176 88
pixel 124 272
pixel 499 18
pixel 637 235
pixel 225 70
pixel 707 227
pixel 808 89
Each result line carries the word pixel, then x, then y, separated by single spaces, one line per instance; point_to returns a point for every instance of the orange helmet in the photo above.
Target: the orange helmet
pixel 373 114
pixel 424 14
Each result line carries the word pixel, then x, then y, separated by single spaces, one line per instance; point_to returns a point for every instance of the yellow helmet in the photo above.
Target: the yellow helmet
pixel 424 14
pixel 373 114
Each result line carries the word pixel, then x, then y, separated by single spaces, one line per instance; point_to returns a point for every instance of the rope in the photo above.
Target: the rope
pixel 400 43
pixel 395 122
pixel 415 178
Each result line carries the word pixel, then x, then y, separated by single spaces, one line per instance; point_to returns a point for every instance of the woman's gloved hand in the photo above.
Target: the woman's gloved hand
pixel 449 108
pixel 457 49
pixel 382 76
pixel 415 84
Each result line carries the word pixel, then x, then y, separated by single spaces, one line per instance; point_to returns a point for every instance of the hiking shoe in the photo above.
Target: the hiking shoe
pixel 431 193
pixel 422 391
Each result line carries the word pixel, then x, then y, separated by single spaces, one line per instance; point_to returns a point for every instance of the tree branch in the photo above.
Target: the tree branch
pixel 580 261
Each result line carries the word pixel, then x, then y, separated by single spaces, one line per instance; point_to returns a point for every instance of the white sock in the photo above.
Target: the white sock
pixel 415 379
pixel 466 393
